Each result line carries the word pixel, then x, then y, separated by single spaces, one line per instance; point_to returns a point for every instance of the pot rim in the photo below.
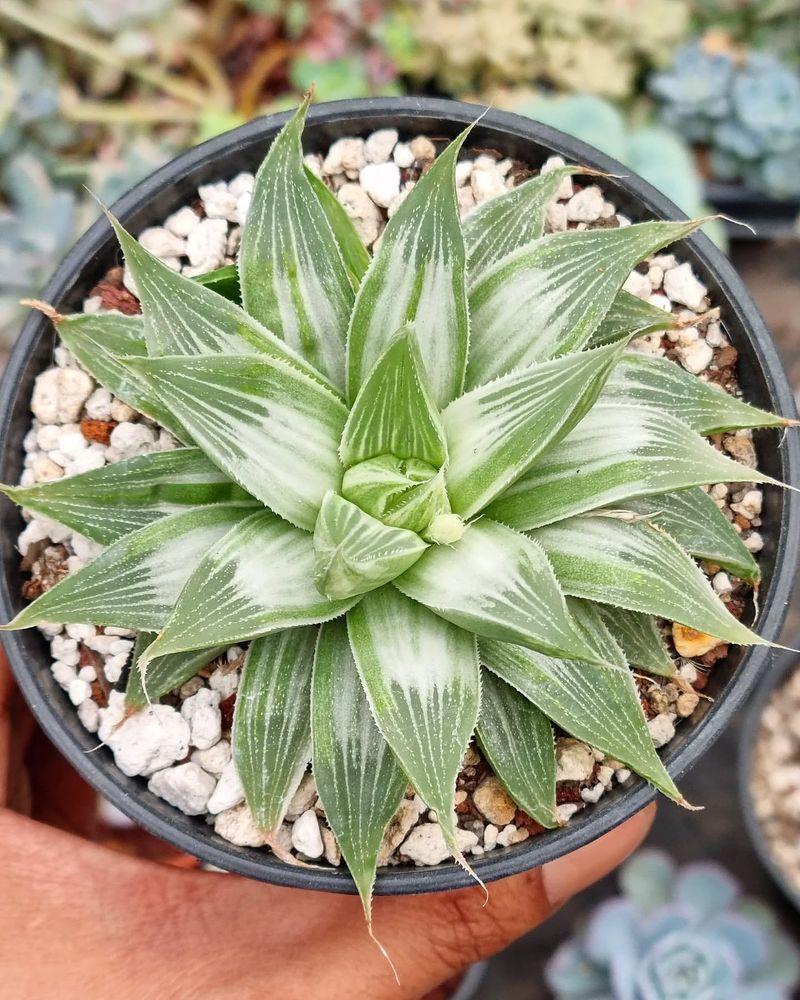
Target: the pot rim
pixel 331 121
pixel 784 662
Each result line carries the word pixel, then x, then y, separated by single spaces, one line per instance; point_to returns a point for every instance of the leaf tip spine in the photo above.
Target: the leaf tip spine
pixel 44 308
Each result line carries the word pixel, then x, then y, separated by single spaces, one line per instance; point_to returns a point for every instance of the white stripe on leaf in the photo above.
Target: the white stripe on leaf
pixel 359 781
pixel 393 412
pixel 622 450
pixel 274 430
pixel 419 273
pixel 271 737
pixel 293 277
pixel 549 297
pixel 495 432
pixel 135 582
pixel 107 504
pixel 258 579
pixel 661 383
pixel 639 567
pixel 496 583
pixel 356 553
pixel 422 680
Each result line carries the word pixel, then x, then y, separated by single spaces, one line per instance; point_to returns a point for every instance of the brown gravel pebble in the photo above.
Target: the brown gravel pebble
pixel 114 295
pixel 98 430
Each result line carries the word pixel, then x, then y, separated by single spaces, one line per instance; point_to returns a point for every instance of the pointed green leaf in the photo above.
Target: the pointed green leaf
pixel 356 553
pixel 422 679
pixel 294 279
pixel 495 432
pixel 257 580
pixel 359 781
pixel 640 639
pixel 393 412
pixel 274 430
pixel 631 316
pixel 503 224
pixel 619 451
pixel 499 584
pixel 355 255
pixel 99 341
pixel 164 674
pixel 224 281
pixel 136 581
pixel 517 739
pixel 700 527
pixel 271 738
pixel 549 297
pixel 182 316
pixel 659 382
pixel 597 704
pixel 639 567
pixel 107 504
pixel 419 273
pixel 593 628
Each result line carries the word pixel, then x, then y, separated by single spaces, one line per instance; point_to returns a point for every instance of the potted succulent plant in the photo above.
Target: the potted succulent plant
pixel 429 486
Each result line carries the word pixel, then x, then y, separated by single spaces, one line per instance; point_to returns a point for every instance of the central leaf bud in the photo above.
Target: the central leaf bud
pixel 400 492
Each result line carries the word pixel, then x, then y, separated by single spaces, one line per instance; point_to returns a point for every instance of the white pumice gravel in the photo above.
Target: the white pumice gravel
pixel 181 745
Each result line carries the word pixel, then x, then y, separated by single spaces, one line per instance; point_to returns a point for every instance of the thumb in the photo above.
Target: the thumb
pixel 432 937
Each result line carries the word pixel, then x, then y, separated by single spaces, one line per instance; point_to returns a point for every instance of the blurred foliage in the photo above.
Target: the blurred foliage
pixel 656 153
pixel 586 46
pixel 95 94
pixel 744 105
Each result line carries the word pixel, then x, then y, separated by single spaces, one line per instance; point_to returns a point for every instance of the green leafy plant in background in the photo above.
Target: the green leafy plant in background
pixel 404 483
pixel 767 25
pixel 745 108
pixel 677 934
pixel 590 46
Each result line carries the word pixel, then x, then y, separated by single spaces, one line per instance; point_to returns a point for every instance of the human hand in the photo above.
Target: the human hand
pixel 79 919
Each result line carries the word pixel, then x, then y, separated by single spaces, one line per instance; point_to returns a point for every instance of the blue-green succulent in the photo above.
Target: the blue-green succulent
pixel 676 934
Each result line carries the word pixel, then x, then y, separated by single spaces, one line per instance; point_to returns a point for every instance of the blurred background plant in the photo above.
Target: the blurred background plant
pixel 743 106
pixel 94 94
pixel 676 933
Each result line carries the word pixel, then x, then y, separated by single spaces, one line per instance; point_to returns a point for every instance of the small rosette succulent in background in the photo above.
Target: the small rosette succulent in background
pixel 433 454
pixel 676 934
pixel 746 108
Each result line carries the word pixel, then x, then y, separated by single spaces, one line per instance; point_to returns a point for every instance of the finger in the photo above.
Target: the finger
pixel 16 726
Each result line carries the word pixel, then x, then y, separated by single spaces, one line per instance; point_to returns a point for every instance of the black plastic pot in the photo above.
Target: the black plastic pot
pixel 762 379
pixel 781 666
